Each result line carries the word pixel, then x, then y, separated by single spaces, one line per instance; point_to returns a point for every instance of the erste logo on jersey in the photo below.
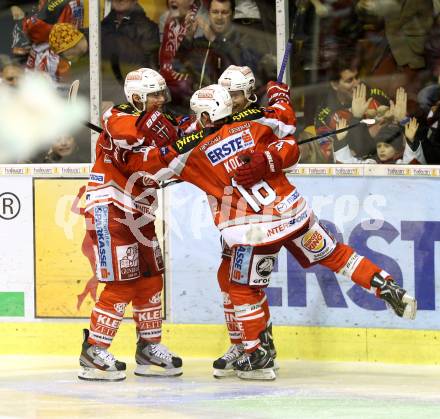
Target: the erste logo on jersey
pixel 96 177
pixel 313 241
pixel 230 146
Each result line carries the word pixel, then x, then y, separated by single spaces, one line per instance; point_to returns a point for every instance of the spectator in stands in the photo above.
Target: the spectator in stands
pixel 64 150
pixel 220 46
pixel 20 45
pixel 394 145
pixel 11 73
pixel 129 40
pixel 67 45
pixel 394 134
pixel 255 19
pixel 349 99
pixel 429 132
pixel 432 49
pixel 401 60
pixel 183 18
pixel 312 153
pixel 38 26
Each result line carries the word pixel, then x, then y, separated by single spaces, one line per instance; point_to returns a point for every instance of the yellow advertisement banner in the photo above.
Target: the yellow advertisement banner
pixel 65 260
pixel 65 283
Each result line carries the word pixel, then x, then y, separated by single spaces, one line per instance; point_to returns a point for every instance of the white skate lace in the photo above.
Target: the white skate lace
pixel 234 352
pixel 161 352
pixel 245 359
pixel 103 354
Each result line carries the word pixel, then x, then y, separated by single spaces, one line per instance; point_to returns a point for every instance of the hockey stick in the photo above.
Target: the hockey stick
pixel 71 97
pixel 73 91
pixel 300 9
pixel 367 122
pixel 337 131
pixel 93 127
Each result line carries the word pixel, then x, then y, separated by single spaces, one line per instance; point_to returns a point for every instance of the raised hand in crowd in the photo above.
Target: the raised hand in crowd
pixel 400 107
pixel 340 124
pixel 359 104
pixel 192 22
pixel 321 10
pixel 17 13
pixel 411 129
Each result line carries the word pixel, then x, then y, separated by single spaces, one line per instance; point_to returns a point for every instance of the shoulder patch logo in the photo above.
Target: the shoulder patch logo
pixel 188 142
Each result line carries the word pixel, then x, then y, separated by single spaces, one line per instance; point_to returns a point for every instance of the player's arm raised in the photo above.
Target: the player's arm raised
pixel 279 114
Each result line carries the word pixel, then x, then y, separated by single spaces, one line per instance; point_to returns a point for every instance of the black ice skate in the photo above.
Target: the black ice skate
pixel 224 366
pixel 154 359
pixel 272 349
pixel 256 366
pixel 98 364
pixel 396 297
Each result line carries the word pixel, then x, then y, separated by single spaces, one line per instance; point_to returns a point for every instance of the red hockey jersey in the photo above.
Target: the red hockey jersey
pixel 271 209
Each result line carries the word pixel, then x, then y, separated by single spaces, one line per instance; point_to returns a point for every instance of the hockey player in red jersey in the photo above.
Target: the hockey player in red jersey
pixel 258 211
pixel 129 264
pixel 240 83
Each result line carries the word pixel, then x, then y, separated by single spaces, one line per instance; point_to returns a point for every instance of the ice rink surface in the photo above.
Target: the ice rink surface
pixel 47 387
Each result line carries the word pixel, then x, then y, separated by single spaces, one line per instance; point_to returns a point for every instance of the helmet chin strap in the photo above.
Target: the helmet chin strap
pixel 144 106
pixel 253 98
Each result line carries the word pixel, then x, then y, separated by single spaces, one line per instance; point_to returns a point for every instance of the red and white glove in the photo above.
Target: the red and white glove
pixel 120 155
pixel 156 127
pixel 258 166
pixel 277 92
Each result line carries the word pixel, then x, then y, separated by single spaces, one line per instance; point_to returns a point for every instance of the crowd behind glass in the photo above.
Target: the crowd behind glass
pixel 351 60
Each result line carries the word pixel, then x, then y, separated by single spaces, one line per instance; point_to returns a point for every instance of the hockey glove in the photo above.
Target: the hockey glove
pixel 158 130
pixel 257 166
pixel 277 92
pixel 120 155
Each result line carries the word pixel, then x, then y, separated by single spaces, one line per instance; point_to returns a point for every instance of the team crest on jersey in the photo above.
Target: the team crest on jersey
pixel 313 241
pixel 230 146
pixel 265 266
pixel 128 261
pixel 156 298
pixel 120 307
pixel 226 299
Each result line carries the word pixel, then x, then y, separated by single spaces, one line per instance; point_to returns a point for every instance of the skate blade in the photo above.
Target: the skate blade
pixel 93 374
pixel 411 307
pixel 266 374
pixel 155 371
pixel 276 366
pixel 230 372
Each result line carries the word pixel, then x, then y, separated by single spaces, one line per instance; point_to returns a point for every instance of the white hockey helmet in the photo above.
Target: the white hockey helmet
pixel 143 82
pixel 239 78
pixel 215 100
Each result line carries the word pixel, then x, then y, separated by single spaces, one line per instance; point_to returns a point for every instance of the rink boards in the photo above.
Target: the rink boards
pixel 388 213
